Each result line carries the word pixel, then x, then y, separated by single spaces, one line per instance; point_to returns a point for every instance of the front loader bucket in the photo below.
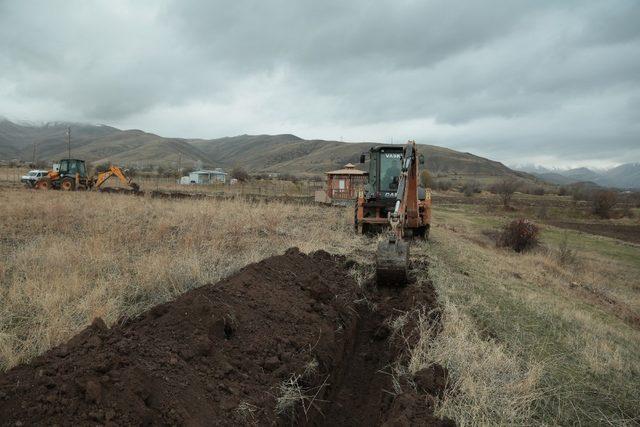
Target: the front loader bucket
pixel 392 262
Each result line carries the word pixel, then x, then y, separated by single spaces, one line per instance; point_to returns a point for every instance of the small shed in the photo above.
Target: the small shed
pixel 205 177
pixel 343 184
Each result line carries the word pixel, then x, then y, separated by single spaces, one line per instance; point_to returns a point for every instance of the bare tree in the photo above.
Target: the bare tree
pixel 603 201
pixel 425 179
pixel 239 173
pixel 505 189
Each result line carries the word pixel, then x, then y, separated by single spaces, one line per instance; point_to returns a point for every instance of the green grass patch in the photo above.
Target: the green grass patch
pixel 590 358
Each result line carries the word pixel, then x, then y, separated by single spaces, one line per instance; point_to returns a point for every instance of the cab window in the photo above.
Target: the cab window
pixel 64 167
pixel 390 165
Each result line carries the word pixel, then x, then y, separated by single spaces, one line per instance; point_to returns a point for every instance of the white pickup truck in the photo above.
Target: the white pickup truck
pixel 32 176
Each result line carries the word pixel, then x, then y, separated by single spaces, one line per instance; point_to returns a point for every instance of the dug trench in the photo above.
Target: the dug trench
pixel 290 340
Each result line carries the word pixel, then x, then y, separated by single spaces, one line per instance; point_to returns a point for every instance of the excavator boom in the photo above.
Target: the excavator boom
pixel 405 221
pixel 117 172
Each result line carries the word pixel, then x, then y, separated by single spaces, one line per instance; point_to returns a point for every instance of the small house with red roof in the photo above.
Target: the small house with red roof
pixel 342 185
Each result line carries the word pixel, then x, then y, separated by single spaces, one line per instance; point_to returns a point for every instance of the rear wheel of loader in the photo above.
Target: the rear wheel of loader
pixel 43 184
pixel 392 262
pixel 68 184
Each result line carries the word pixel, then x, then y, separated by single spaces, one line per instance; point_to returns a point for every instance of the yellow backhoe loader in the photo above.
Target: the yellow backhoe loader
pixel 71 175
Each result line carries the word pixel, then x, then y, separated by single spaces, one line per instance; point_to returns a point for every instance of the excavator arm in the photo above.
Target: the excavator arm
pixel 392 257
pixel 117 172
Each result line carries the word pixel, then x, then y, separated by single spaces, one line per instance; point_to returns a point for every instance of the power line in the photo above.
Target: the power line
pixel 69 141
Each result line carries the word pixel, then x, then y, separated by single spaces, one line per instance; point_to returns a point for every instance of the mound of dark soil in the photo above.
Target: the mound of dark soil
pixel 119 190
pixel 281 341
pixel 162 194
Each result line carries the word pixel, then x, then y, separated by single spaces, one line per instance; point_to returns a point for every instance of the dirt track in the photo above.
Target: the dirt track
pixel 220 354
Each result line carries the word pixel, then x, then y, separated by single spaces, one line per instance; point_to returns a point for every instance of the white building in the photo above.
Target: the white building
pixel 205 177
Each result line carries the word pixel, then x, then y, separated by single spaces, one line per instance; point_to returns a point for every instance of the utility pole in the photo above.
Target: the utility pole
pixel 179 174
pixel 35 148
pixel 69 141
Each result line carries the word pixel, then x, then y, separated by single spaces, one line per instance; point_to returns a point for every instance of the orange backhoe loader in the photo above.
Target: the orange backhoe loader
pixel 394 202
pixel 71 175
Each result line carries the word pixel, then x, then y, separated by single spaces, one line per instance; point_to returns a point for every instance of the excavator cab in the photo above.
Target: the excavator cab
pixel 379 196
pixel 72 167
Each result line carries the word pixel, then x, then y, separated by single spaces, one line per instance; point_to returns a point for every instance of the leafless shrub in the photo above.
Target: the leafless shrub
pixel 603 201
pixel 536 190
pixel 519 235
pixel 239 173
pixel 505 188
pixel 566 255
pixel 581 193
pixel 426 180
pixel 542 212
pixel 443 184
pixel 470 188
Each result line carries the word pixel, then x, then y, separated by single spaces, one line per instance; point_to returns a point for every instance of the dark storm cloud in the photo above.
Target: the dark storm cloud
pixel 552 82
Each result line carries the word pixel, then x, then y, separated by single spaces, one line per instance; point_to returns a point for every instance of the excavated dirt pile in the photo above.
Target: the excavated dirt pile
pixel 291 339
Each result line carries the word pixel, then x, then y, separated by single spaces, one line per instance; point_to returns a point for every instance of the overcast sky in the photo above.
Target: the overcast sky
pixel 546 82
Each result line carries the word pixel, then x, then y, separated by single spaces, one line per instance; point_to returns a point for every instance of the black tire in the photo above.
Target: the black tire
pixel 421 232
pixel 355 217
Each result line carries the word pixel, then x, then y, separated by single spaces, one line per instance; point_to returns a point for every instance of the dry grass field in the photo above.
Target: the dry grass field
pixel 533 338
pixel 66 258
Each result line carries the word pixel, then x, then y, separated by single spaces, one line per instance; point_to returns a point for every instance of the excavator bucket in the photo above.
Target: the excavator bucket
pixel 392 262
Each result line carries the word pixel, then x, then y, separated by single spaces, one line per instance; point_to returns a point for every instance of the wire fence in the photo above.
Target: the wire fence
pixel 273 187
pixel 11 175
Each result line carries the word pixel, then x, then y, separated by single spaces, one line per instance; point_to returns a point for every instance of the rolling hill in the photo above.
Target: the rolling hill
pixel 257 153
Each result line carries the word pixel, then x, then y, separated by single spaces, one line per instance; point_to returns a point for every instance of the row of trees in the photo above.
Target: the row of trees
pixel 602 201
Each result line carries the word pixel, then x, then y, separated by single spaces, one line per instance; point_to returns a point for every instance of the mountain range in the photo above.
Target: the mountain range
pixel 626 176
pixel 284 153
pixel 257 153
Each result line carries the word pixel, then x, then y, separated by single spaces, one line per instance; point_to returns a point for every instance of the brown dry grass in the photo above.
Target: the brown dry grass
pixel 526 338
pixel 66 258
